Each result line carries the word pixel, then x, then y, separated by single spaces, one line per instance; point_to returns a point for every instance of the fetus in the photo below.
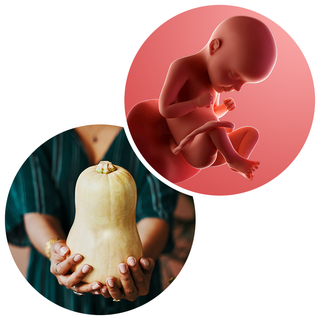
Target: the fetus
pixel 241 50
pixel 181 133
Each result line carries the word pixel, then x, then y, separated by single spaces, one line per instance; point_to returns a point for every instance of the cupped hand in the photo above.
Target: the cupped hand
pixel 135 279
pixel 61 266
pixel 229 103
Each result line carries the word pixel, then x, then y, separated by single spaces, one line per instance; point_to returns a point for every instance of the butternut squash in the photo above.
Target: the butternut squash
pixel 104 230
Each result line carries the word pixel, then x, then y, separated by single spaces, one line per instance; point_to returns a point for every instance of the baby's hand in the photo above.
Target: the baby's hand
pixel 205 100
pixel 229 103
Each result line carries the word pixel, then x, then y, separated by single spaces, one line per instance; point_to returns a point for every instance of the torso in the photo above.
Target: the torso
pixel 105 135
pixel 196 85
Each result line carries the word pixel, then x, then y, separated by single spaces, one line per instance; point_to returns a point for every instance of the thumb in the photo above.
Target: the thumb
pixel 60 248
pixel 147 265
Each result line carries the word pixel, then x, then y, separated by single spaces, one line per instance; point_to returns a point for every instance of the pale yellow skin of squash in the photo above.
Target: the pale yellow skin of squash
pixel 104 231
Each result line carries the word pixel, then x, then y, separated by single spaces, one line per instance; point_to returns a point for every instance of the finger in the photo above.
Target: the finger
pixel 230 103
pixel 64 266
pixel 77 276
pixel 60 248
pixel 147 265
pixel 138 276
pixel 104 291
pixel 113 289
pixel 93 287
pixel 127 282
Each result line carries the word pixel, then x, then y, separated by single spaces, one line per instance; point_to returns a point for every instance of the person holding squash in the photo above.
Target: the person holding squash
pixel 40 211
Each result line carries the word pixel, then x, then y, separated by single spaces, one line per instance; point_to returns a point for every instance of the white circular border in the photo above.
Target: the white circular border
pixel 279 22
pixel 32 290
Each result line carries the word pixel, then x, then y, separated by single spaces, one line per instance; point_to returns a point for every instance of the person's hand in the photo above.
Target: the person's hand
pixel 134 277
pixel 205 100
pixel 61 266
pixel 229 103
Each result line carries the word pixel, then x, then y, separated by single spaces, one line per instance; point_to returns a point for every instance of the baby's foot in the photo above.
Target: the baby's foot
pixel 244 166
pixel 175 149
pixel 173 146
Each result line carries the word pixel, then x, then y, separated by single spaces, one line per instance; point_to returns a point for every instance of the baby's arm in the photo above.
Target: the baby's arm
pixel 176 78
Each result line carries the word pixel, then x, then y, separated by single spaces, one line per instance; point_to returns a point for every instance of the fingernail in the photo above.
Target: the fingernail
pixel 131 261
pixel 110 282
pixel 104 289
pixel 63 250
pixel 145 262
pixel 77 258
pixel 123 268
pixel 95 286
pixel 85 269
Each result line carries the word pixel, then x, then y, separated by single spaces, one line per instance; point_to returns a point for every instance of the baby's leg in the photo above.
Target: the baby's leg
pixel 244 140
pixel 210 125
pixel 200 153
pixel 200 149
pixel 235 161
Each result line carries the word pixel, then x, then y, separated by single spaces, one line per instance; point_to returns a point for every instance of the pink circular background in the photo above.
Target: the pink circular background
pixel 281 107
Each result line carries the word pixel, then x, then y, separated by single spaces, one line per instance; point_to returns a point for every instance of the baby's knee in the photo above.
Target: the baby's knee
pixel 253 133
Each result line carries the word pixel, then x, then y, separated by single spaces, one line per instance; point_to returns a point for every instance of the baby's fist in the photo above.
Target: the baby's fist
pixel 229 103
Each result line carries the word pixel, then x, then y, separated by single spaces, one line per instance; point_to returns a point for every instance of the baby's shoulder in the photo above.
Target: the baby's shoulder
pixel 180 63
pixel 181 66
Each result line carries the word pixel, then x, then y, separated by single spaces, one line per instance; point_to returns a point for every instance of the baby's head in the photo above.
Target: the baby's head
pixel 241 50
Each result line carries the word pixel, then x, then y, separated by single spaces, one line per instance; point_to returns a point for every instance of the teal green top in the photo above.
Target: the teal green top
pixel 46 183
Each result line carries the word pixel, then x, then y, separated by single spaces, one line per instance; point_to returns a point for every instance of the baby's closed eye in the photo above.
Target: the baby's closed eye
pixel 234 75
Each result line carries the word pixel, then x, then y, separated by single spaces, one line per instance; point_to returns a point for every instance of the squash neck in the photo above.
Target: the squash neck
pixel 109 221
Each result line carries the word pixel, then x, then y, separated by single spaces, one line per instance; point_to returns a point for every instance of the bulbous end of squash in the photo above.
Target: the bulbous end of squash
pixel 105 167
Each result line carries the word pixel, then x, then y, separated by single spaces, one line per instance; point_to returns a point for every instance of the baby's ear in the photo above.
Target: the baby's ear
pixel 214 46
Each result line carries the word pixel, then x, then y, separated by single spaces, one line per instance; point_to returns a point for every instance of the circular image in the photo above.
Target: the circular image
pixel 219 100
pixel 91 228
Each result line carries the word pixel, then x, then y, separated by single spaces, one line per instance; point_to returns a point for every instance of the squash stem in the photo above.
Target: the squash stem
pixel 105 167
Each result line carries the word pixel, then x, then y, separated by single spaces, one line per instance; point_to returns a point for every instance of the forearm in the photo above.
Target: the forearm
pixel 220 110
pixel 154 234
pixel 178 109
pixel 41 228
